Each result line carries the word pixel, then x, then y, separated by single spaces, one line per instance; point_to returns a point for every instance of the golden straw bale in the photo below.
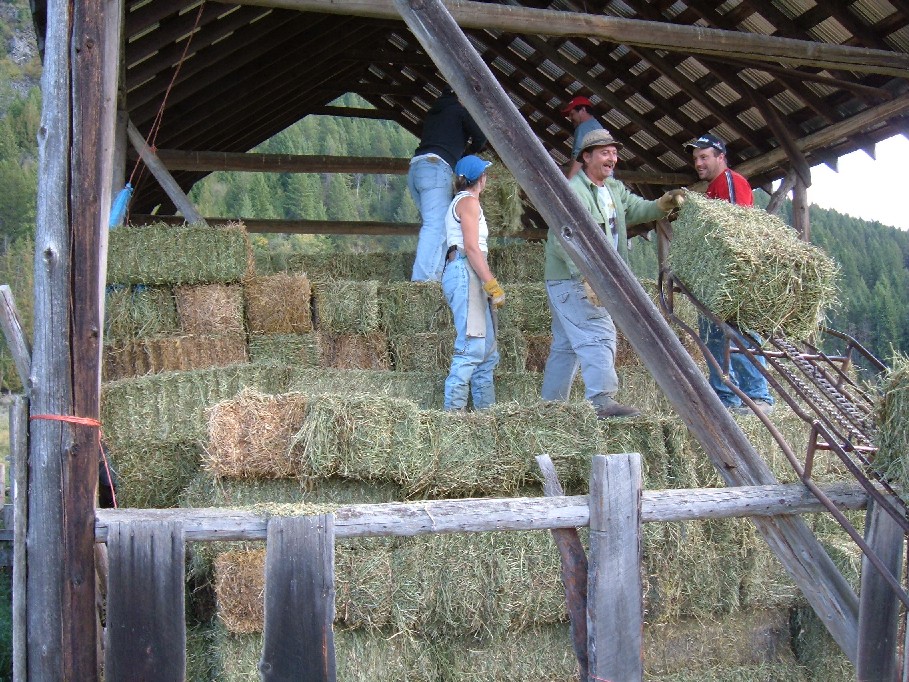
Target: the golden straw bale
pixel 210 309
pixel 279 304
pixel 249 436
pixel 173 353
pixel 355 351
pixel 240 586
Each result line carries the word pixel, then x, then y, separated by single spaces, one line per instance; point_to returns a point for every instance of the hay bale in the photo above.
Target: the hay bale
pixel 501 200
pixel 211 309
pixel 139 312
pixel 412 308
pixel 422 351
pixel 240 588
pixel 294 350
pixel 168 354
pixel 538 346
pixel 750 268
pixel 355 351
pixel 518 262
pixel 358 437
pixel 526 308
pixel 249 436
pixel 152 474
pixel 892 459
pixel 278 304
pixel 346 306
pixel 381 266
pixel 166 255
pixel 426 389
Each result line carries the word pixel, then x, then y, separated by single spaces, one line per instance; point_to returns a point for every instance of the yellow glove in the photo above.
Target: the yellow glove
pixel 671 200
pixel 591 295
pixel 495 291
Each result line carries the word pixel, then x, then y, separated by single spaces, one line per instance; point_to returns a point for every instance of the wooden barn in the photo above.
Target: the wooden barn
pixel 354 538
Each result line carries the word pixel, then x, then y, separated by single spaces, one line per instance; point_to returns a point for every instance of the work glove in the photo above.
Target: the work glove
pixel 591 295
pixel 671 200
pixel 495 291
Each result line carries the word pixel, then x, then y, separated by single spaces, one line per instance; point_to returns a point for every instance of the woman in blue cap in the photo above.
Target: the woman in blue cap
pixel 471 290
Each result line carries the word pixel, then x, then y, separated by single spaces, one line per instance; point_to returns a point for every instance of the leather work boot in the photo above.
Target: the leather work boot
pixel 743 409
pixel 610 408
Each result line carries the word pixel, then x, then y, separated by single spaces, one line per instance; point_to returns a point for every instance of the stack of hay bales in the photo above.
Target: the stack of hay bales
pixel 297 431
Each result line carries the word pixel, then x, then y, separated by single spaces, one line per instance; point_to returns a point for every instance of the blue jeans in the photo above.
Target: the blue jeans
pixel 582 335
pixel 430 183
pixel 742 371
pixel 474 358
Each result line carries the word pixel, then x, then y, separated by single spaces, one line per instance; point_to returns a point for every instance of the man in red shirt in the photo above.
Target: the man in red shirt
pixel 709 153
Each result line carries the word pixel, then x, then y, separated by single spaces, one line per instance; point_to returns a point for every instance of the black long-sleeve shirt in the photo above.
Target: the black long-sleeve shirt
pixel 449 131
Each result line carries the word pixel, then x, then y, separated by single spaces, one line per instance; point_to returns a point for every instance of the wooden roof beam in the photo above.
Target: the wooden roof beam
pixel 144 17
pixel 172 29
pixel 783 136
pixel 654 34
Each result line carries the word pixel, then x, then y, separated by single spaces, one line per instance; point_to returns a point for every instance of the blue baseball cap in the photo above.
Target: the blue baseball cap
pixel 471 167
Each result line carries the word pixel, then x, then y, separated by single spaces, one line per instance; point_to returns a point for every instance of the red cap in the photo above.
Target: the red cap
pixel 579 101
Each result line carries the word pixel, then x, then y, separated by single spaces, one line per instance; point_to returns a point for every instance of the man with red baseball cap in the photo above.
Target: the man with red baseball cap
pixel 577 110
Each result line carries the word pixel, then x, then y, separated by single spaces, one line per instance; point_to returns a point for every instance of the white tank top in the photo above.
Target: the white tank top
pixel 453 234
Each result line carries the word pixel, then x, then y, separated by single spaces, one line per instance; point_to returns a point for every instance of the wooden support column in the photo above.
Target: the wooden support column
pixel 801 222
pixel 615 605
pixel 299 600
pixel 574 570
pixel 879 607
pixel 779 196
pixel 18 447
pixel 676 373
pixel 16 341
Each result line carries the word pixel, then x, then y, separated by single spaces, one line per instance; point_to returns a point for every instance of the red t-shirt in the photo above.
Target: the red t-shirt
pixel 731 186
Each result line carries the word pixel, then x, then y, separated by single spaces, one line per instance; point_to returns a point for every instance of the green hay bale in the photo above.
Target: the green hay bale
pixel 512 350
pixel 750 268
pixel 892 459
pixel 359 437
pixel 422 351
pixel 526 308
pixel 384 267
pixel 518 262
pixel 133 313
pixel 426 389
pixel 501 200
pixel 167 255
pixel 780 671
pixel 816 651
pixel 346 306
pixel 171 406
pixel 153 473
pixel 412 307
pixel 293 350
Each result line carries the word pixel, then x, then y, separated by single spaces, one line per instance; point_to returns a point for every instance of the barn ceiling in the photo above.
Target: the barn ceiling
pixel 247 72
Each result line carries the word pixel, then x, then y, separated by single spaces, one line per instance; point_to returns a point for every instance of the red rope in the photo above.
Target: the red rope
pixel 83 421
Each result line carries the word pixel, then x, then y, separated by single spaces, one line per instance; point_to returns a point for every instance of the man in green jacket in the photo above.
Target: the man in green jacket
pixel 583 334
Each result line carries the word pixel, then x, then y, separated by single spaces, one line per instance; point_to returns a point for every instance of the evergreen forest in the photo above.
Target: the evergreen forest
pixel 874 258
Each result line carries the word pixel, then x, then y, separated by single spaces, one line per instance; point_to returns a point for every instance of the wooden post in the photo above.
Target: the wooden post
pixel 146 618
pixel 800 210
pixel 574 570
pixel 729 449
pixel 299 600
pixel 777 198
pixel 163 176
pixel 615 606
pixel 879 607
pixel 18 447
pixel 16 341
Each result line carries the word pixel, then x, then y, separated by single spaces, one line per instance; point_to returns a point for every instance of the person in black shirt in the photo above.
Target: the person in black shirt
pixel 448 134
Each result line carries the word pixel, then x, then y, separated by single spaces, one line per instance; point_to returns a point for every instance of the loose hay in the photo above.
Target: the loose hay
pixel 355 351
pixel 250 436
pixel 892 459
pixel 176 353
pixel 278 304
pixel 141 312
pixel 347 306
pixel 748 267
pixel 294 350
pixel 211 309
pixel 166 255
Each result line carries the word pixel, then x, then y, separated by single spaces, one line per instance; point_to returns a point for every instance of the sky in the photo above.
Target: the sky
pixel 867 188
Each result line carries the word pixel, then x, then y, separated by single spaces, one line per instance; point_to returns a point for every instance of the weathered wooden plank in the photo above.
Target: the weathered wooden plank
pixel 801 217
pixel 18 344
pixel 655 34
pixel 164 178
pixel 146 628
pixel 573 569
pixel 879 607
pixel 299 600
pixel 513 513
pixel 615 596
pixel 681 380
pixel 18 447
